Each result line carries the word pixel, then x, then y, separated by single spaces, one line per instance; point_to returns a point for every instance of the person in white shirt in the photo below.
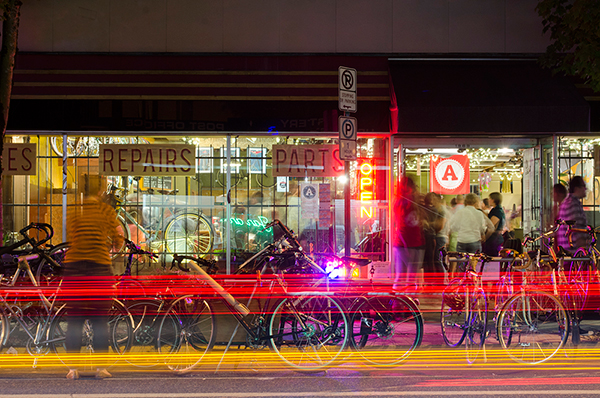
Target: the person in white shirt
pixel 470 225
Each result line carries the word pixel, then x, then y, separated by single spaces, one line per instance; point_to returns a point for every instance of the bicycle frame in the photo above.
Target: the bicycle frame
pixel 240 311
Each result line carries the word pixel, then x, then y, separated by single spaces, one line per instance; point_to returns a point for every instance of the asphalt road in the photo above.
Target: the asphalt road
pixel 460 380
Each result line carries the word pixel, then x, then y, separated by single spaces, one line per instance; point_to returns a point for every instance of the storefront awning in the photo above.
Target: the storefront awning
pixel 284 93
pixel 484 96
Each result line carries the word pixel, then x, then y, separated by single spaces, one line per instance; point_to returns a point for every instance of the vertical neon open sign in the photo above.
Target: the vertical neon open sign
pixel 366 188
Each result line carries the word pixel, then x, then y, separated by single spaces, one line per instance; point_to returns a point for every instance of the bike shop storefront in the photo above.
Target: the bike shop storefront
pixel 209 195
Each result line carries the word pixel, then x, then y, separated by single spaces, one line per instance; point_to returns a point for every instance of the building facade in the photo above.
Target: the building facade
pixel 240 82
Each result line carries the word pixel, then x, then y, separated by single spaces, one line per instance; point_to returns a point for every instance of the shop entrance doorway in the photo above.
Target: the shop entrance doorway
pixel 520 169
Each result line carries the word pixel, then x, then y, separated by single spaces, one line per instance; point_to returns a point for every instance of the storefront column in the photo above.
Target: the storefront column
pixel 555 171
pixel 391 198
pixel 64 187
pixel 228 208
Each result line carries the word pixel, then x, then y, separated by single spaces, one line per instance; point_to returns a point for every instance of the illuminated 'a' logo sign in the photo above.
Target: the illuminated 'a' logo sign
pixel 449 174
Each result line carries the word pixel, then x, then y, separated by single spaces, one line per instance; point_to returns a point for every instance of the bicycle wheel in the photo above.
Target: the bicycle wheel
pixel 47 273
pixel 189 234
pixel 477 324
pixel 236 178
pixel 147 317
pixel 186 333
pixel 385 329
pixel 539 326
pixel 129 289
pixel 120 337
pixel 123 230
pixel 308 332
pixel 74 146
pixel 453 318
pixel 260 181
pixel 580 275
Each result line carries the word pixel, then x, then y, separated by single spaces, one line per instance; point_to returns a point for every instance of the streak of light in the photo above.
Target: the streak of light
pixel 443 359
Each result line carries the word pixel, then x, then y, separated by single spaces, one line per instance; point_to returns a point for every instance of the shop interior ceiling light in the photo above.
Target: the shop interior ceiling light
pixel 578 146
pixel 504 162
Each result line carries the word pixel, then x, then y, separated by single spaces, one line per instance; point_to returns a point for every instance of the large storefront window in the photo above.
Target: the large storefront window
pixel 577 157
pixel 209 196
pixel 512 167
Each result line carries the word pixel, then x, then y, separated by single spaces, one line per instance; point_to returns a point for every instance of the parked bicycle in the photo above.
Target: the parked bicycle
pixel 568 276
pixel 149 309
pixel 464 312
pixel 385 327
pixel 308 331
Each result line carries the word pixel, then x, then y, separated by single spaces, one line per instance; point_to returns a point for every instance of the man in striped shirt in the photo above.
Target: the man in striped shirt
pixel 88 275
pixel 571 209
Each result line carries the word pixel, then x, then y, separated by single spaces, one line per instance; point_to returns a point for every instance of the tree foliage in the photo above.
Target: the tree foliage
pixel 574 27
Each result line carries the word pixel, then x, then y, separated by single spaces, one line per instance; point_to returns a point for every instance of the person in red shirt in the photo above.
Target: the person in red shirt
pixel 408 245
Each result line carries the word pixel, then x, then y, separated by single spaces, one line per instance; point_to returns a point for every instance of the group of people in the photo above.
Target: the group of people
pixel 425 224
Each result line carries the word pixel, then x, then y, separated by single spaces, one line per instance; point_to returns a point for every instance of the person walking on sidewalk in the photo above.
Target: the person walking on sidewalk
pixel 90 228
pixel 494 243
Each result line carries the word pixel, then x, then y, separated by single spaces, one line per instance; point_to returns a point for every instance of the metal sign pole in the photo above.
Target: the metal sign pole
pixel 347 210
pixel 347 127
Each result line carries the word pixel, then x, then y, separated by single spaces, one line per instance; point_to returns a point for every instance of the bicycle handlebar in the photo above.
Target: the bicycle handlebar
pixel 289 235
pixel 135 249
pixel 42 227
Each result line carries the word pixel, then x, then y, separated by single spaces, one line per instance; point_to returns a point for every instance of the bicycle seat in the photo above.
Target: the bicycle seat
pixel 356 260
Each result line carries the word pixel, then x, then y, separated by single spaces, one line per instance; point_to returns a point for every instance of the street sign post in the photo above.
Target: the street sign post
pixel 347 89
pixel 347 127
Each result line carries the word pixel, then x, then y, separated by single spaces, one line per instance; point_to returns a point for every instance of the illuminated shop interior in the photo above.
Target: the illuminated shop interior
pixel 232 179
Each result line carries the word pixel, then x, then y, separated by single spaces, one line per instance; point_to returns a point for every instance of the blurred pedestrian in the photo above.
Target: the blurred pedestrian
pixel 437 220
pixel 91 229
pixel 429 232
pixel 571 209
pixel 559 193
pixel 470 225
pixel 408 244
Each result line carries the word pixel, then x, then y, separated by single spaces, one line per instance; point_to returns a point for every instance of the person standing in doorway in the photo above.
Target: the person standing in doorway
pixel 441 236
pixel 485 205
pixel 470 226
pixel 91 228
pixel 493 244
